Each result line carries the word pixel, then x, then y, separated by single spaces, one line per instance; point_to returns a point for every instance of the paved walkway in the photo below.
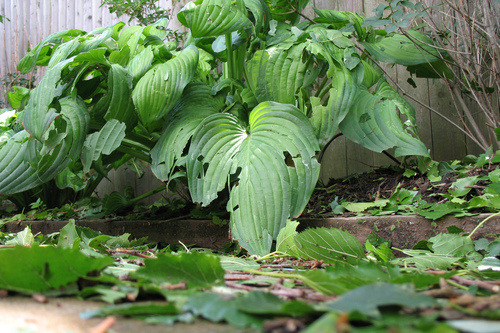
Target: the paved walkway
pixel 61 315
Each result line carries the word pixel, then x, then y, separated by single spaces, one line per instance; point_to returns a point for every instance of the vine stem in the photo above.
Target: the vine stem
pixel 481 224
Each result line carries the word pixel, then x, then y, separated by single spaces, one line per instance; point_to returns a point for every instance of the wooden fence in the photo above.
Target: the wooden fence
pixel 32 20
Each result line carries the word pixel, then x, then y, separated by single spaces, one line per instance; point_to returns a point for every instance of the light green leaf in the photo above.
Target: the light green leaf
pixel 95 56
pixel 161 87
pixel 29 61
pixel 285 241
pixel 402 50
pixel 141 63
pixel 427 259
pixel 237 264
pixel 461 187
pixel 26 163
pixel 68 237
pixel 196 269
pixel 38 115
pixel 23 238
pixel 107 140
pixel 357 207
pixel 38 269
pixel 325 324
pixel 451 244
pixel 375 124
pixel 214 17
pixel 331 245
pixel 17 97
pixel 331 285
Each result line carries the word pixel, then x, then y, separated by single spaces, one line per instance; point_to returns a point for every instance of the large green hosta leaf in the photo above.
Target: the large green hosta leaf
pixel 374 123
pixel 161 87
pixel 196 104
pixel 26 162
pixel 278 74
pixel 107 140
pixel 400 49
pixel 274 160
pixel 343 92
pixel 33 57
pixel 121 107
pixel 207 18
pixel 37 115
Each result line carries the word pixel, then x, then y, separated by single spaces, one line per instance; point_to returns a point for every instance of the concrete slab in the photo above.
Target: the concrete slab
pixel 61 315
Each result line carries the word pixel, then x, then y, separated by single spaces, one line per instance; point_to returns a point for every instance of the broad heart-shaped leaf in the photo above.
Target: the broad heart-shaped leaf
pixel 329 244
pixel 207 18
pixel 198 270
pixel 367 299
pixel 196 103
pixel 402 50
pixel 274 161
pixel 26 163
pixel 278 74
pixel 374 123
pixel 107 140
pixel 37 269
pixel 161 87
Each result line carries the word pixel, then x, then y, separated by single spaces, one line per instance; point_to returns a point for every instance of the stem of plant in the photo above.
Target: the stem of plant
pixel 481 224
pixel 229 56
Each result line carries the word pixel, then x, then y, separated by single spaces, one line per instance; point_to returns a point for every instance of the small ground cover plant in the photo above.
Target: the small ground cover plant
pixel 461 188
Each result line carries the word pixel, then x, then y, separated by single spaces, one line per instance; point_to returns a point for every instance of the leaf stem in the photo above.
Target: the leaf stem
pixel 481 224
pixel 272 274
pixel 229 56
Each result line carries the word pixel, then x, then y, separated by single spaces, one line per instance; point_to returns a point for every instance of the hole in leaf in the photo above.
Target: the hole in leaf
pixel 289 159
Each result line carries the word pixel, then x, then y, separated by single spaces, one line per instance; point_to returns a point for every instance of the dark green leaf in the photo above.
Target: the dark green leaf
pixel 367 299
pixel 39 269
pixel 215 308
pixel 132 309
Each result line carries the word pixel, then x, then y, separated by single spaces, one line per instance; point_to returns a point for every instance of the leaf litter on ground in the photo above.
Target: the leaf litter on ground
pixel 317 278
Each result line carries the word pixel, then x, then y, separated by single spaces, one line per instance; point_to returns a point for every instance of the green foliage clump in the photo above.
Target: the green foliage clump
pixel 244 108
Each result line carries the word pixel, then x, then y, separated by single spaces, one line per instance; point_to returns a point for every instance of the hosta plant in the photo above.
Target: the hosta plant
pixel 243 109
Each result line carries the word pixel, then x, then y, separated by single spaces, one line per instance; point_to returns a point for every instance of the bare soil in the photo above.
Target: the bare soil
pixel 381 184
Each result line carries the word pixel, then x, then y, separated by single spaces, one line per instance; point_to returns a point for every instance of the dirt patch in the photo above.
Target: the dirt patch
pixel 381 184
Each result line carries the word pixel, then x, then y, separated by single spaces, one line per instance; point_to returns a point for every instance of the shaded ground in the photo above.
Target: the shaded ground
pixel 381 184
